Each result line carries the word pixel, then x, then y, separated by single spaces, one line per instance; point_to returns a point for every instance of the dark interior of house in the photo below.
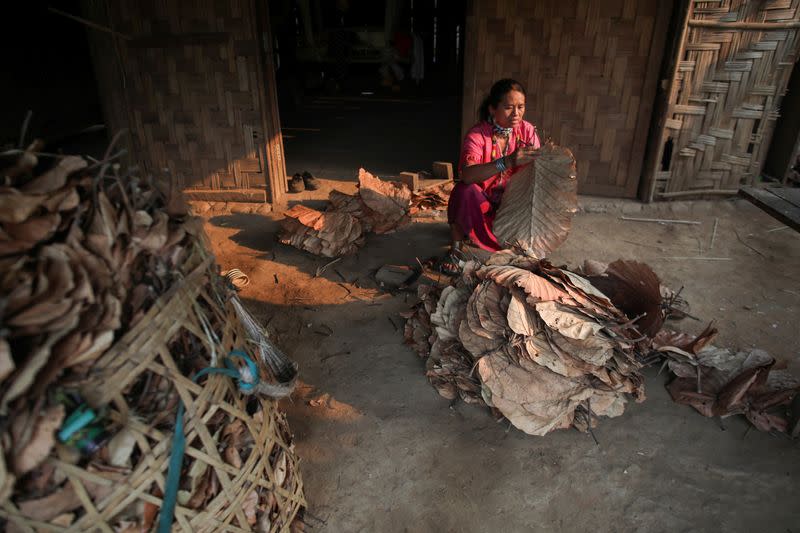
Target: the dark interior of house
pixel 48 72
pixel 368 84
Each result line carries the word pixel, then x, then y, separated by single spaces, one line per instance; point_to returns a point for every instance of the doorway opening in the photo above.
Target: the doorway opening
pixel 364 83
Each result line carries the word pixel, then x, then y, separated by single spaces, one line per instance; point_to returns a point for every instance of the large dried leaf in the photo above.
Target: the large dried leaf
pixel 387 203
pixel 28 455
pixel 16 207
pixel 6 362
pixel 432 198
pixel 63 200
pixel 450 310
pixel 634 288
pixel 66 499
pixel 532 397
pixel 477 316
pixel 567 322
pixel 595 350
pixel 521 317
pixel 41 313
pixel 7 480
pixel 539 350
pixel 492 302
pixel 34 229
pixel 151 237
pixel 346 203
pixel 540 200
pixel 685 341
pixel 536 287
pixel 22 378
pixel 475 344
pixel 54 178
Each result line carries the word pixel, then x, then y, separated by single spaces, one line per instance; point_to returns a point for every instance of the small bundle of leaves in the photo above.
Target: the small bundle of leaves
pixel 379 207
pixel 431 199
pixel 329 234
pixel 722 382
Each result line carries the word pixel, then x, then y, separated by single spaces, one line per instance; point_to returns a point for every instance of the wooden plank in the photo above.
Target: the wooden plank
pixel 776 206
pixel 659 136
pixel 258 196
pixel 747 26
pixel 788 194
pixel 268 100
pixel 168 41
pixel 645 111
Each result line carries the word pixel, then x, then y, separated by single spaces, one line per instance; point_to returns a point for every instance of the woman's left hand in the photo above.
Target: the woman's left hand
pixel 522 156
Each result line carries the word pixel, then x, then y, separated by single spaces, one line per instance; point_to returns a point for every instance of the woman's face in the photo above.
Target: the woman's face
pixel 509 110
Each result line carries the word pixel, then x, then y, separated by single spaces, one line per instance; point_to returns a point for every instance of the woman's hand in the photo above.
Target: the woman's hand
pixel 522 156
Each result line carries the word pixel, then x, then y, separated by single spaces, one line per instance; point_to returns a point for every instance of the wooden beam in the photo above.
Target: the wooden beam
pixel 175 40
pixel 649 94
pixel 698 192
pixel 772 203
pixel 750 26
pixel 258 196
pixel 268 102
pixel 658 137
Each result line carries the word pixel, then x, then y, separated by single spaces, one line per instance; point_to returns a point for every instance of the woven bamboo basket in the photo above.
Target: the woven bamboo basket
pixel 255 487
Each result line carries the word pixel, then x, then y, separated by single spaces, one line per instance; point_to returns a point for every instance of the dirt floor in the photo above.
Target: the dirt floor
pixel 382 451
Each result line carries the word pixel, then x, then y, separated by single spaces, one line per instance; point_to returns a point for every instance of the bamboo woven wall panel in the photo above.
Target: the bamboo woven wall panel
pixel 192 90
pixel 728 82
pixel 590 69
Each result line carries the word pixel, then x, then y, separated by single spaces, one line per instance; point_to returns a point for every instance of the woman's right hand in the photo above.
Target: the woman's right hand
pixel 522 156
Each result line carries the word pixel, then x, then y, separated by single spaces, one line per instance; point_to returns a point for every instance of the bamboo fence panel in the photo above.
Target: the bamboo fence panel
pixel 730 73
pixel 590 69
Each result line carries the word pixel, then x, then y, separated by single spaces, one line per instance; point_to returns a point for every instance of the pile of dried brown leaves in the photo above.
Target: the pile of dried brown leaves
pixel 85 251
pixel 721 382
pixel 549 348
pixel 539 343
pixel 380 207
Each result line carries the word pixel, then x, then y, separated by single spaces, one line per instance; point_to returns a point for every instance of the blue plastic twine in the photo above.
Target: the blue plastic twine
pixel 179 439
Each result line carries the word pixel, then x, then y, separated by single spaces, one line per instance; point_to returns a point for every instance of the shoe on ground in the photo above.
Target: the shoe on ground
pixel 311 183
pixel 296 184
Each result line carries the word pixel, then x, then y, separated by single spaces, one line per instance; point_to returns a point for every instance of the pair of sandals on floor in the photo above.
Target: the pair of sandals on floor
pixel 303 182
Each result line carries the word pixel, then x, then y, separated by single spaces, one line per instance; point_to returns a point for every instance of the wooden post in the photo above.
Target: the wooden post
pixel 657 47
pixel 657 150
pixel 442 170
pixel 268 99
pixel 411 179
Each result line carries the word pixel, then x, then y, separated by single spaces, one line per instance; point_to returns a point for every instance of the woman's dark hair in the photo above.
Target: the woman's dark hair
pixel 496 93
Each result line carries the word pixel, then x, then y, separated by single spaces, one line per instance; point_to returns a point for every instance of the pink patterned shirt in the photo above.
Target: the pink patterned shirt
pixel 478 148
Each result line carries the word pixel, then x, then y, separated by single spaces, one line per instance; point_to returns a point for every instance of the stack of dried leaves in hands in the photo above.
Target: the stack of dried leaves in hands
pixel 722 382
pixel 84 251
pixel 380 207
pixel 540 344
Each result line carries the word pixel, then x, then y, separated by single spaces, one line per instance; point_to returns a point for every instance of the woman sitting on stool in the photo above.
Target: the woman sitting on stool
pixel 493 151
